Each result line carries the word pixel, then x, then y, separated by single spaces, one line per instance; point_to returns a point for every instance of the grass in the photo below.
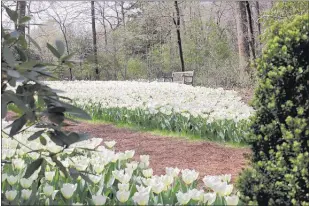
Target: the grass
pixel 167 133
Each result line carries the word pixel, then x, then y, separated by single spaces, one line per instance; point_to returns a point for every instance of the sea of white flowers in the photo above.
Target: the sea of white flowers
pixel 153 97
pixel 115 178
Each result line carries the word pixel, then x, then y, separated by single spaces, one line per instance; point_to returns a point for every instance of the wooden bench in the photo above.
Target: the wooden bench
pixel 181 77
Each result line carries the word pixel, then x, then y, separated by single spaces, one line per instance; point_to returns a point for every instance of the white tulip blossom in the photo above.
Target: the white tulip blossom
pixel 25 194
pixel 123 195
pixel 189 176
pixel 99 199
pixel 50 175
pixel 25 183
pixel 196 195
pixel 210 181
pixel 68 189
pixel 144 158
pixel 183 198
pixel 12 179
pixel 147 173
pixel 123 186
pixel 226 177
pixel 174 172
pixel 141 197
pixel 95 178
pixel 129 154
pixel 232 200
pixel 209 198
pixel 10 195
pixel 98 168
pixel 222 188
pixel 110 144
pixel 18 163
pixel 132 165
pixel 4 177
pixel 48 190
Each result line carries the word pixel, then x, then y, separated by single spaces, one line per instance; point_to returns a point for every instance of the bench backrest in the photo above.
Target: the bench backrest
pixel 183 77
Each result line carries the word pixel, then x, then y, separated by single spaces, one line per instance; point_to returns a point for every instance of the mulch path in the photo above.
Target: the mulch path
pixel 207 158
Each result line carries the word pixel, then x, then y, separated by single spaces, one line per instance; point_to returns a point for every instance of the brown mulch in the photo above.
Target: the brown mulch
pixel 207 158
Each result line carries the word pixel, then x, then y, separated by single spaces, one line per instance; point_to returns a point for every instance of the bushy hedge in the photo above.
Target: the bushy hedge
pixel 280 129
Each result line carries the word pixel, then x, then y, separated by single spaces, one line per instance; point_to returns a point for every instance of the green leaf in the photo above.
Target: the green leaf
pixel 22 41
pixel 53 50
pixel 33 167
pixel 74 137
pixel 67 57
pixel 75 111
pixel 24 20
pixel 86 178
pixel 18 124
pixel 43 140
pixel 36 135
pixel 12 14
pixel 34 42
pixel 56 117
pixel 28 65
pixel 60 47
pixel 8 56
pixel 22 54
pixel 73 172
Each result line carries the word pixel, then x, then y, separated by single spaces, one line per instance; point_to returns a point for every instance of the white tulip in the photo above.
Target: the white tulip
pixel 50 175
pixel 172 171
pixel 129 154
pixel 222 188
pixel 25 183
pixel 210 181
pixel 141 197
pixel 95 178
pixel 110 144
pixel 122 195
pixel 183 198
pixel 4 177
pixel 147 173
pixel 48 190
pixel 25 194
pixel 123 186
pixel 68 189
pixel 226 177
pixel 10 195
pixel 189 176
pixel 12 179
pixel 209 198
pixel 133 165
pixel 157 187
pixel 99 199
pixel 98 168
pixel 196 195
pixel 232 200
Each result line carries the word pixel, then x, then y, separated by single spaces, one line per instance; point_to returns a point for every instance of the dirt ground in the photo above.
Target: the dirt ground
pixel 205 157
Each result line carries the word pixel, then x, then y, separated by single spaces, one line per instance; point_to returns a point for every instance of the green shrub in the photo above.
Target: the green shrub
pixel 279 135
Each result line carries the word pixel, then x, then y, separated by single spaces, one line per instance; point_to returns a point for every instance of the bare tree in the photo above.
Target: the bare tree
pixel 242 35
pixel 177 24
pixel 21 8
pixel 94 40
pixel 251 31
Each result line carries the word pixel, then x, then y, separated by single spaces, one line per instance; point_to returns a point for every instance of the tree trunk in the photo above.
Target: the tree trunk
pixel 177 24
pixel 242 35
pixel 104 25
pixel 94 39
pixel 251 32
pixel 21 13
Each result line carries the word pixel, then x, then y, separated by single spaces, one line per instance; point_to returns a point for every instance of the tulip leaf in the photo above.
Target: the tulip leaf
pixel 61 167
pixel 60 47
pixel 33 167
pixel 18 124
pixel 36 135
pixel 86 178
pixel 34 42
pixel 4 108
pixel 43 140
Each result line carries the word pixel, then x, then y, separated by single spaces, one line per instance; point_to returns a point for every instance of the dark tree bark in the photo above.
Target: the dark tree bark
pixel 21 7
pixel 177 24
pixel 242 36
pixel 94 40
pixel 251 32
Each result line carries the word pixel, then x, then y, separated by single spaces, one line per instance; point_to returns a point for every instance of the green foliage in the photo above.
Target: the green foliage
pixel 37 104
pixel 280 129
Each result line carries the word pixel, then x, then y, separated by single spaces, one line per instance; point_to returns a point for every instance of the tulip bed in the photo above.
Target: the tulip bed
pixel 98 176
pixel 213 114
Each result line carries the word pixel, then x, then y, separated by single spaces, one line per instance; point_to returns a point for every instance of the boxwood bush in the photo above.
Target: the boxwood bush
pixel 279 136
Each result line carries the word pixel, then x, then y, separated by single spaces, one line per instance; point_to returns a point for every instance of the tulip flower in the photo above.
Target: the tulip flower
pixel 67 190
pixel 189 176
pixel 48 190
pixel 18 163
pixel 10 195
pixel 129 154
pixel 95 178
pixel 98 168
pixel 172 171
pixel 25 194
pixel 123 187
pixel 122 195
pixel 12 179
pixel 98 199
pixel 50 175
pixel 209 198
pixel 196 195
pixel 141 197
pixel 147 173
pixel 183 198
pixel 232 200
pixel 25 183
pixel 110 144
